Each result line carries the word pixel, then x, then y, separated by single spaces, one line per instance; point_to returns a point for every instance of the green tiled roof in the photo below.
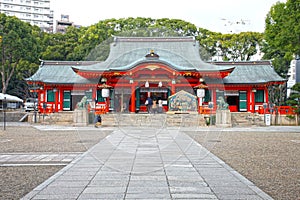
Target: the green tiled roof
pixel 181 53
pixel 252 73
pixel 58 72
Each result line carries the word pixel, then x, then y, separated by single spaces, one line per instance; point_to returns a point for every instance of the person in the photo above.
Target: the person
pixel 149 104
pixel 154 106
pixel 97 121
pixel 160 106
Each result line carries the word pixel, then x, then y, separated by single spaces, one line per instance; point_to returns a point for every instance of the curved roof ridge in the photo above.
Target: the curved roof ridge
pixel 156 39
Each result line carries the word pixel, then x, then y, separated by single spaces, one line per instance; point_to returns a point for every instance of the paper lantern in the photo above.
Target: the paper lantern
pixel 105 92
pixel 200 93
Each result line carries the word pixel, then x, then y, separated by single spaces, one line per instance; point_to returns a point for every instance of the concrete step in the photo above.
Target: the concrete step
pixel 155 120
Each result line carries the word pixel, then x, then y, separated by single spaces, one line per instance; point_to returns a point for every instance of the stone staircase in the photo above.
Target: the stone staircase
pixel 245 119
pixel 153 120
pixel 59 118
pixel 239 119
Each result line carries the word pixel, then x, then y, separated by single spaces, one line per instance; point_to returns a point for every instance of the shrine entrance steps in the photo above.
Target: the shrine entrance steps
pixel 153 120
pixel 239 119
pixel 245 119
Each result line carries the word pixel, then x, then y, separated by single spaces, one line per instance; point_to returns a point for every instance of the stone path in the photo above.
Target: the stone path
pixel 147 163
pixel 22 159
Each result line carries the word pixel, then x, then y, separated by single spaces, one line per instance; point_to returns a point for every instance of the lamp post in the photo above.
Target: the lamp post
pixel 34 105
pixel 34 108
pixel 211 106
pixel 4 113
pixel 33 90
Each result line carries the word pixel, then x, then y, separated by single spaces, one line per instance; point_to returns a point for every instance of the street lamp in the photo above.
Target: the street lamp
pixel 210 106
pixel 35 103
pixel 4 112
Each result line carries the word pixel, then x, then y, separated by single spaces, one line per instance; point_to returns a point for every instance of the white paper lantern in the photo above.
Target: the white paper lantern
pixel 200 93
pixel 105 92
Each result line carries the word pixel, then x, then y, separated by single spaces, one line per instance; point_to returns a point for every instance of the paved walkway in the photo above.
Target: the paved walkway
pixel 35 159
pixel 147 164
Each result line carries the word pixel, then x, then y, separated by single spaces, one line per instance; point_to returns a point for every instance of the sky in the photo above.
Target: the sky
pixel 225 16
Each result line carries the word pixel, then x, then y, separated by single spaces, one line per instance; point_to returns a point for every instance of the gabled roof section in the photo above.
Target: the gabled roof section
pixel 180 53
pixel 251 72
pixel 59 72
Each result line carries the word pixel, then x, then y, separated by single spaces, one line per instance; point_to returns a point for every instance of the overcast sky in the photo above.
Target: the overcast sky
pixel 215 15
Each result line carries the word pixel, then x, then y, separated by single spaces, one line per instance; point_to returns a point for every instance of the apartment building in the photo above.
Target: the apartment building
pixel 35 12
pixel 294 75
pixel 63 24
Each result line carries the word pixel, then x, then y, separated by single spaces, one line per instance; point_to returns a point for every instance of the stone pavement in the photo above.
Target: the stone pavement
pixel 147 163
pixel 35 159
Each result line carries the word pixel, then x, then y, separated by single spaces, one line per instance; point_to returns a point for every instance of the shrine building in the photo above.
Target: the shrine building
pixel 156 67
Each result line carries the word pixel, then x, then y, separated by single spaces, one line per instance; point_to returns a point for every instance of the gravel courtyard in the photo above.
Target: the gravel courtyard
pixel 269 159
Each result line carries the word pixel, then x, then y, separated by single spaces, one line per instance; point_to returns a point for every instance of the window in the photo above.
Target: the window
pixel 99 96
pixel 243 101
pixel 259 96
pixel 89 95
pixel 207 97
pixel 50 96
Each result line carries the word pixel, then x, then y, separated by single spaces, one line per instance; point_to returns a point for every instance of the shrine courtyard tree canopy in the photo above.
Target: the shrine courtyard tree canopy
pixel 156 67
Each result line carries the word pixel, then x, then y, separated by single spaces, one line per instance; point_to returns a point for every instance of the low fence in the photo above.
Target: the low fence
pixel 282 110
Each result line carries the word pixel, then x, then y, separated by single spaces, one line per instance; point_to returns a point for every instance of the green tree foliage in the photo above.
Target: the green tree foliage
pixel 19 44
pixel 60 46
pixel 282 34
pixel 230 47
pixel 208 41
pixel 241 46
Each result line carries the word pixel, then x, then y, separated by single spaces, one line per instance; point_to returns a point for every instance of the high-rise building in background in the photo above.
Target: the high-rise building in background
pixel 294 75
pixel 35 12
pixel 63 24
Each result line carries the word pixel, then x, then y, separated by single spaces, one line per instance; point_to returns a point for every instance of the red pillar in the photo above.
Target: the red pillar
pixel 253 100
pixel 56 100
pixel 267 95
pixel 107 104
pixel 214 98
pixel 173 89
pixel 249 100
pixel 133 106
pixel 94 94
pixel 60 99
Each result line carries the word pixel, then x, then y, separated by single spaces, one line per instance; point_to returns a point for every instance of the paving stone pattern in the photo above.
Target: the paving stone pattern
pixel 21 159
pixel 147 164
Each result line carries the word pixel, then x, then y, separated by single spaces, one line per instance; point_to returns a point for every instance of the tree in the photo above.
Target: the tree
pixel 282 34
pixel 230 47
pixel 208 41
pixel 241 46
pixel 18 44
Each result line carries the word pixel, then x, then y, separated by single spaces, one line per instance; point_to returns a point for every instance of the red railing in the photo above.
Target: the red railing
pixel 283 110
pixel 47 108
pixel 206 110
pixel 98 109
